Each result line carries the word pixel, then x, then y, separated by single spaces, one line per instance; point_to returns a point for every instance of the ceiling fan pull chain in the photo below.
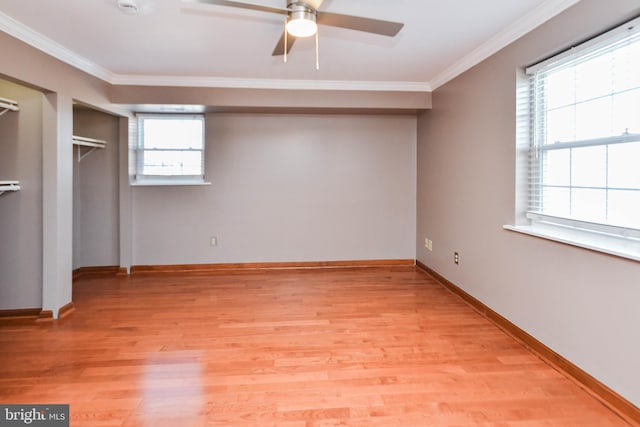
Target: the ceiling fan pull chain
pixel 317 53
pixel 286 39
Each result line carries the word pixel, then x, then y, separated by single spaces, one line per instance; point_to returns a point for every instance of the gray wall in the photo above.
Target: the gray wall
pixel 95 192
pixel 288 188
pixel 21 212
pixel 582 304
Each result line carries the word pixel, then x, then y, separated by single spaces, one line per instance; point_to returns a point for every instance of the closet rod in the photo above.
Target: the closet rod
pixel 92 144
pixel 9 186
pixel 89 142
pixel 8 105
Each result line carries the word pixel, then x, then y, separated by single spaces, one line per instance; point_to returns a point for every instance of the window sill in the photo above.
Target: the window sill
pixel 167 183
pixel 624 248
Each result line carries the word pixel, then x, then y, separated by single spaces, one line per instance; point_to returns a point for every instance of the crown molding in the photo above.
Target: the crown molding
pixel 513 32
pixel 21 32
pixel 532 20
pixel 33 38
pixel 281 84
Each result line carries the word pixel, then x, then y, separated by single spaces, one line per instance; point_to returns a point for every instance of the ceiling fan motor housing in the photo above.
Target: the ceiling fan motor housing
pixel 292 3
pixel 302 12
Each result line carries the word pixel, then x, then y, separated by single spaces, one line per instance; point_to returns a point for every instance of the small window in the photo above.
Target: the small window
pixel 584 170
pixel 170 149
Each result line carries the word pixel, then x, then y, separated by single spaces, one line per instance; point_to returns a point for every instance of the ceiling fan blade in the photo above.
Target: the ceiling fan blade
pixel 241 5
pixel 369 25
pixel 279 50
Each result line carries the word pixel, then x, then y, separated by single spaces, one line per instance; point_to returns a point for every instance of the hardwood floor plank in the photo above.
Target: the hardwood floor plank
pixel 353 347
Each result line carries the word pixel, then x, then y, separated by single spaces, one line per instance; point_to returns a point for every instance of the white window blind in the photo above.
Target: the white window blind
pixel 170 147
pixel 585 148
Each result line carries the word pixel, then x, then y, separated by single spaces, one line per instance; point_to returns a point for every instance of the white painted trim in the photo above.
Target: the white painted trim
pixel 513 32
pixel 624 248
pixel 167 183
pixel 222 82
pixel 22 32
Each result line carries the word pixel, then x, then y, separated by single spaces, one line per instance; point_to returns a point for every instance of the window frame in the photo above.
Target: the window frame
pixel 612 239
pixel 141 179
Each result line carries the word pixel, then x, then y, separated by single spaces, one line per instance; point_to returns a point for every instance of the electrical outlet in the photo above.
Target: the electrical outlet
pixel 456 258
pixel 428 244
pixel 213 241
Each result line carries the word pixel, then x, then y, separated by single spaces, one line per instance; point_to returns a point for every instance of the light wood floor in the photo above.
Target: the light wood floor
pixel 366 347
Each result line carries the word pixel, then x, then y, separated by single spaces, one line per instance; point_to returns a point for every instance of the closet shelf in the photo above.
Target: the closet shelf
pixel 8 105
pixel 9 186
pixel 92 144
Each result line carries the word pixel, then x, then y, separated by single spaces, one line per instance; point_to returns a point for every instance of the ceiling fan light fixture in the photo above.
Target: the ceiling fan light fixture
pixel 302 23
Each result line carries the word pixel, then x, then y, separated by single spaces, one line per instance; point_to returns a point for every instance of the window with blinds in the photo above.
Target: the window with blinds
pixel 170 147
pixel 585 139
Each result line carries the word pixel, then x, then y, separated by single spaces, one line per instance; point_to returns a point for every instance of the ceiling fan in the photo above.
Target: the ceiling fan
pixel 303 16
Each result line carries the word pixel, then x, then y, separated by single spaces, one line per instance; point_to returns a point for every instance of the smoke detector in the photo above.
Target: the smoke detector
pixel 129 7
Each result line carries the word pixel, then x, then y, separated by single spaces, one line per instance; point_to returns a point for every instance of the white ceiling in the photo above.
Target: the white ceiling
pixel 171 42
